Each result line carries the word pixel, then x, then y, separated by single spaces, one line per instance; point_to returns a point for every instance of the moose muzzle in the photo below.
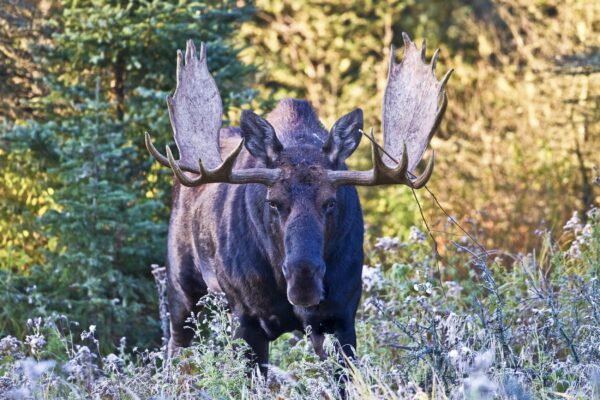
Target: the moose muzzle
pixel 304 278
pixel 304 267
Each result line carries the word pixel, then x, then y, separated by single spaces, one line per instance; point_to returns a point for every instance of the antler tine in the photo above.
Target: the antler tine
pixel 202 51
pixel 426 175
pixel 446 78
pixel 154 151
pixel 160 158
pixel 392 57
pixel 179 173
pixel 436 54
pixel 439 116
pixel 380 170
pixel 406 40
pixel 384 175
pixel 444 104
pixel 190 51
pixel 180 64
pixel 224 172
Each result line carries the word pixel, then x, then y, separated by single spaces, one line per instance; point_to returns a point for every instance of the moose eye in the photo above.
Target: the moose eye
pixel 329 205
pixel 273 205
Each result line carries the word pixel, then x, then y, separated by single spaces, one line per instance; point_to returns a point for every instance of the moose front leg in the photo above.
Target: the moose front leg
pixel 345 334
pixel 317 339
pixel 250 330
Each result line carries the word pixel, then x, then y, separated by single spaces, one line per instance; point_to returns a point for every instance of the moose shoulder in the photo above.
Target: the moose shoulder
pixel 267 213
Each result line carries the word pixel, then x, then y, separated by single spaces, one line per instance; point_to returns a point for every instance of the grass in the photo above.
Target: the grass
pixel 500 326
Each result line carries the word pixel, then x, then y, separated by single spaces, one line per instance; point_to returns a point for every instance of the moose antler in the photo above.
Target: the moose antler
pixel 195 110
pixel 413 106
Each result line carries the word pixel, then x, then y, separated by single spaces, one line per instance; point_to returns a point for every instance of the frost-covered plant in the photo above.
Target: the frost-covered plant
pixel 468 325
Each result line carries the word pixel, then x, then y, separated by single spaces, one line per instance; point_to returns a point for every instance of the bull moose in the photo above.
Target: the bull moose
pixel 276 225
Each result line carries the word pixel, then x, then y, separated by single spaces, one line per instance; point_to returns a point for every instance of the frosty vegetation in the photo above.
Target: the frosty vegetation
pixel 501 326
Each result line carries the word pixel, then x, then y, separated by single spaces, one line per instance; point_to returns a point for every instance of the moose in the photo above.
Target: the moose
pixel 268 214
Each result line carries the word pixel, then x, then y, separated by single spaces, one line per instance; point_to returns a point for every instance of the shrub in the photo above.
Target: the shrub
pixel 516 327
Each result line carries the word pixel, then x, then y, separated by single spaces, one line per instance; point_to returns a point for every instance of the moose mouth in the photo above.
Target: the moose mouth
pixel 306 294
pixel 305 286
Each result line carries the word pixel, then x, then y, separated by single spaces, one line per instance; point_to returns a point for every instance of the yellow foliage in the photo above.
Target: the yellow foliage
pixel 521 132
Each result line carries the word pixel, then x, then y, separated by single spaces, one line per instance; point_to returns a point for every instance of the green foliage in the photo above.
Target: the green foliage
pixel 98 265
pixel 83 197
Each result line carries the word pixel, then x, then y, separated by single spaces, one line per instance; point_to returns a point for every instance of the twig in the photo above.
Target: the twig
pixel 160 277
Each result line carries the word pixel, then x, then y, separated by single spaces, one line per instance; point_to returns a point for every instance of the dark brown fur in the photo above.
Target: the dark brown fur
pixel 300 240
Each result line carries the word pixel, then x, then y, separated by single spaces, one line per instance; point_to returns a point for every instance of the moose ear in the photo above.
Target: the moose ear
pixel 260 138
pixel 344 137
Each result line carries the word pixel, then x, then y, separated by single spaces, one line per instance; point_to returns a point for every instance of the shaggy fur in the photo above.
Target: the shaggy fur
pixel 299 241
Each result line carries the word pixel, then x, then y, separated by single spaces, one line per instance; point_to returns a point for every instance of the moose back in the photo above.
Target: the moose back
pixel 267 213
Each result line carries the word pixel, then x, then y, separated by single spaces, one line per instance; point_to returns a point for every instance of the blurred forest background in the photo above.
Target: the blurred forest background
pixel 84 210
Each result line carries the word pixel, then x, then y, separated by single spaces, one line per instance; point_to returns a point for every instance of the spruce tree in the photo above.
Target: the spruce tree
pixel 110 66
